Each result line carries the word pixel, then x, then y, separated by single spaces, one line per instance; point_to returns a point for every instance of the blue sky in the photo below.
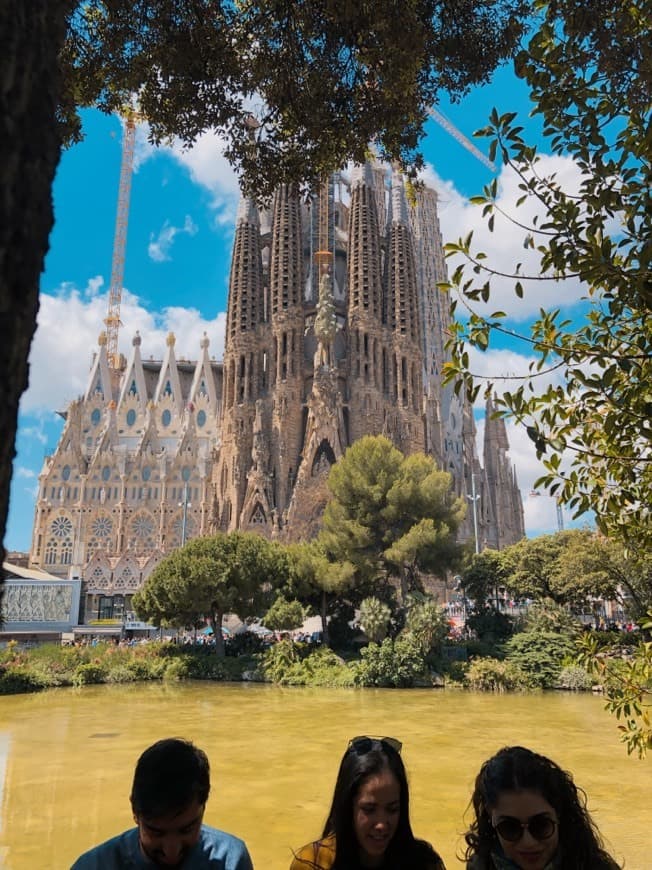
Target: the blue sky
pixel 177 265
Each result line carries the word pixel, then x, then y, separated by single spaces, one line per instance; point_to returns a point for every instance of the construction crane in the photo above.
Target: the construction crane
pixel 443 121
pixel 112 320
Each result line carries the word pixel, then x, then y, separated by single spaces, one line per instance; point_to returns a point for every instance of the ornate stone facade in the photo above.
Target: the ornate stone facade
pixel 335 329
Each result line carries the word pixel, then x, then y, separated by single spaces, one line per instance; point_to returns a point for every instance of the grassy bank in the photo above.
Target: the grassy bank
pixel 51 665
pixel 398 663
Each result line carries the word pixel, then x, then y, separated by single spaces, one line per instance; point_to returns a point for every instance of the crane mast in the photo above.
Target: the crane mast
pixel 443 121
pixel 112 319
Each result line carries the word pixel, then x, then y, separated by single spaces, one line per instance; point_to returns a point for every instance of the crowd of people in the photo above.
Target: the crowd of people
pixel 527 814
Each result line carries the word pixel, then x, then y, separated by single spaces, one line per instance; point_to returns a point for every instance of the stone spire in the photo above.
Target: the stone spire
pixel 245 371
pixel 369 354
pixel 287 324
pixel 504 499
pixel 404 326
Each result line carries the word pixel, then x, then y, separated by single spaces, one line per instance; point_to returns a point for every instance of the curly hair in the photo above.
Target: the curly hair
pixel 516 768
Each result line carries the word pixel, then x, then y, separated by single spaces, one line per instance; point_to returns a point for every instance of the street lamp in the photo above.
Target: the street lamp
pixel 474 498
pixel 185 504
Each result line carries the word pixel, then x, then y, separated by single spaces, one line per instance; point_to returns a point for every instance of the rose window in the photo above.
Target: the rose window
pixel 142 526
pixel 102 527
pixel 61 527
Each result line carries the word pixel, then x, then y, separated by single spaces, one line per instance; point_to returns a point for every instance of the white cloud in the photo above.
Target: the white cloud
pixel 68 326
pixel 507 370
pixel 206 164
pixel 159 246
pixel 143 148
pixel 94 286
pixel 504 247
pixel 21 471
pixel 209 168
pixel 35 432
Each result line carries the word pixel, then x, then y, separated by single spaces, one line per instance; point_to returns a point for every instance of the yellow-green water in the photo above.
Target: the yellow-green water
pixel 67 757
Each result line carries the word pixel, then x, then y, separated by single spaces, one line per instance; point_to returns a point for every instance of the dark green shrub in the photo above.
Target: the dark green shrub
pixel 178 669
pixel 492 675
pixel 246 643
pixel 540 655
pixel 15 679
pixel 205 667
pixel 89 673
pixel 396 663
pixel 490 625
pixel 574 678
pixel 120 674
pixel 277 660
pixel 321 667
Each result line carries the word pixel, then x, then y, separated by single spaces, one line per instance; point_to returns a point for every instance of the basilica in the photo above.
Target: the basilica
pixel 336 328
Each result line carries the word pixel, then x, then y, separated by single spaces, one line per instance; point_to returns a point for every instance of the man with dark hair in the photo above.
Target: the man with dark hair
pixel 168 798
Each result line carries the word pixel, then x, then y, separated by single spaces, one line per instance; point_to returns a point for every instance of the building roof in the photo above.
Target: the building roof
pixel 18 572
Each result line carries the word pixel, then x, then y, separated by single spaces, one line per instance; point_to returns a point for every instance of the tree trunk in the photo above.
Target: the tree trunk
pixel 30 146
pixel 217 633
pixel 325 637
pixel 404 584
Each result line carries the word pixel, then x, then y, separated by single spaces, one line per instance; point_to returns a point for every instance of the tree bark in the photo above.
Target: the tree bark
pixel 30 147
pixel 325 635
pixel 217 633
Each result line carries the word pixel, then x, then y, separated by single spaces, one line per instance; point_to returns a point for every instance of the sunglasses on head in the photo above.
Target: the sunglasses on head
pixel 362 745
pixel 540 827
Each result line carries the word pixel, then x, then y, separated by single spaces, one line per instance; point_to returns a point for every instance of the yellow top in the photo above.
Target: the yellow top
pixel 315 856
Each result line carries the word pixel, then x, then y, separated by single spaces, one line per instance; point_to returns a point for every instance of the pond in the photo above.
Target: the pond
pixel 67 759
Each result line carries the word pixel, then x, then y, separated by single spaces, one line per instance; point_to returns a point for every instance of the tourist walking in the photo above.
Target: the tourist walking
pixel 369 821
pixel 530 815
pixel 168 798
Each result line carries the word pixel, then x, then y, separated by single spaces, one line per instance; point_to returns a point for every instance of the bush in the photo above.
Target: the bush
pixel 548 616
pixel 15 680
pixel 427 622
pixel 396 663
pixel 120 674
pixel 374 618
pixel 246 643
pixel 205 667
pixel 575 678
pixel 292 664
pixel 88 674
pixel 540 655
pixel 492 675
pixel 178 669
pixel 284 615
pixel 322 667
pixel 340 633
pixel 490 625
pixel 278 659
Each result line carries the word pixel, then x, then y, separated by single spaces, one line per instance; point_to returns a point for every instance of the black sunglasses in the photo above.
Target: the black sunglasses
pixel 541 827
pixel 362 745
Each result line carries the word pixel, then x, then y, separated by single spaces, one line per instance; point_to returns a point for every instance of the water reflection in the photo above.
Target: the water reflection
pixel 69 757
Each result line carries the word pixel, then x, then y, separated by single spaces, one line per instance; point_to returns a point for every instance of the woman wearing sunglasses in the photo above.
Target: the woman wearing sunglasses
pixel 369 821
pixel 530 815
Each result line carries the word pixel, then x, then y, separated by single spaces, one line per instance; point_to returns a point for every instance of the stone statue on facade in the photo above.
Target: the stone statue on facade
pixel 325 324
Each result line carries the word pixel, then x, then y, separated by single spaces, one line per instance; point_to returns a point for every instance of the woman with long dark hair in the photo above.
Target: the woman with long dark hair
pixel 530 815
pixel 369 821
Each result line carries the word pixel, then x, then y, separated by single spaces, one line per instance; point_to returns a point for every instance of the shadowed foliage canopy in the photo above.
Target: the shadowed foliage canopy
pixel 391 514
pixel 316 580
pixel 323 78
pixel 585 399
pixel 211 576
